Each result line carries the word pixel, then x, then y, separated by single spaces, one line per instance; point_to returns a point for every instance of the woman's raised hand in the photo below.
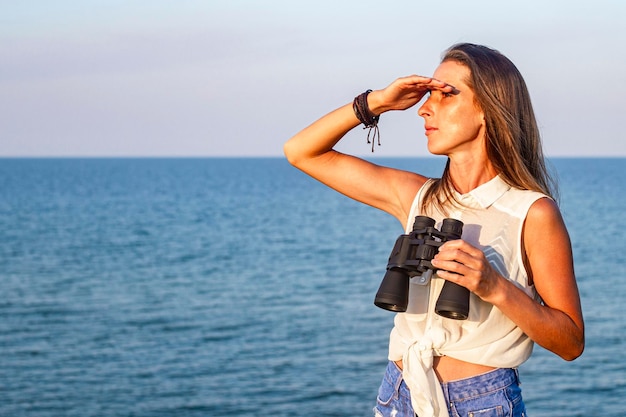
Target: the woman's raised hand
pixel 404 93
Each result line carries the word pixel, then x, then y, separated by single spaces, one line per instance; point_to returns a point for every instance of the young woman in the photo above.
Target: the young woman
pixel 514 256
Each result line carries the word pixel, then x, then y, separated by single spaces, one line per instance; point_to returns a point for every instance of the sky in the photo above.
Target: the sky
pixel 239 77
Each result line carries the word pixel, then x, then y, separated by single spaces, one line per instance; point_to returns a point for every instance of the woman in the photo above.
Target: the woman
pixel 514 256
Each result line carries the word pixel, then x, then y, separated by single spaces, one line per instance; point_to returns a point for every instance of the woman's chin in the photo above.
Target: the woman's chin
pixel 435 150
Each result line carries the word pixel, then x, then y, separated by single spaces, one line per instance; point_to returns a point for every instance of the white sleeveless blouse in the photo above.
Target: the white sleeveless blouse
pixel 493 215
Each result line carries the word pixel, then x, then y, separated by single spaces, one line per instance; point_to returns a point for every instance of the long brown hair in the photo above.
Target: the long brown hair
pixel 512 136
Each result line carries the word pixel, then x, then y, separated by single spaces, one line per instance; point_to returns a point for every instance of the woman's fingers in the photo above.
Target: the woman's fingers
pixel 404 93
pixel 460 262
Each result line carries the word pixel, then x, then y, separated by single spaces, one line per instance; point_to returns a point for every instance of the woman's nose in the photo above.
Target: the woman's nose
pixel 425 109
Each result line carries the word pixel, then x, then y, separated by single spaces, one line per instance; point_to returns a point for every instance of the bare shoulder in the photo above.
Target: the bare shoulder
pixel 544 215
pixel 547 245
pixel 544 223
pixel 545 235
pixel 544 211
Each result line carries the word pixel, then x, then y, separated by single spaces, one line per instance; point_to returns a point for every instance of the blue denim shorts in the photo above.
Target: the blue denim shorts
pixel 493 394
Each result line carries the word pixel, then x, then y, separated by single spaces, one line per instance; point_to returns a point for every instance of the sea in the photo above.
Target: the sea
pixel 242 287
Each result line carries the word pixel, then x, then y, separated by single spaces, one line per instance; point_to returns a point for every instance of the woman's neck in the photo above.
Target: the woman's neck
pixel 470 173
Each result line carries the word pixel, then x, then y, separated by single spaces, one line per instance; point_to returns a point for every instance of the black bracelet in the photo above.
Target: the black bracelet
pixel 366 117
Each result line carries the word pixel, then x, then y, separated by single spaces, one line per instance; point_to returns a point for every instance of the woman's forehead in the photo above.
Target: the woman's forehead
pixel 452 72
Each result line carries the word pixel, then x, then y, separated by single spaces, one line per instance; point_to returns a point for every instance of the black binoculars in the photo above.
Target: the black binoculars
pixel 410 257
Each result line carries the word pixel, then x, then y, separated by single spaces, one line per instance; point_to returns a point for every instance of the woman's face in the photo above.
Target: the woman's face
pixel 453 121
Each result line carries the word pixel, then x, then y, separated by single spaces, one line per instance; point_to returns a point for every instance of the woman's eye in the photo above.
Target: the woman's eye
pixel 447 94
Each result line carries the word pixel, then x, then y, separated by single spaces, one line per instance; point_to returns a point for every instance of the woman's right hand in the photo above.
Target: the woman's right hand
pixel 404 93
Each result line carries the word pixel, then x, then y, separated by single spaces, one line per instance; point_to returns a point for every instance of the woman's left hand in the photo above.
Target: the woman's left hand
pixel 466 265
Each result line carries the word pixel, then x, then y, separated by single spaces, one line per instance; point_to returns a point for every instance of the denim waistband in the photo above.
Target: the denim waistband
pixel 464 389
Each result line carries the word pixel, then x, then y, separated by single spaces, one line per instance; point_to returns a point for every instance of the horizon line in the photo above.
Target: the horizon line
pixel 367 156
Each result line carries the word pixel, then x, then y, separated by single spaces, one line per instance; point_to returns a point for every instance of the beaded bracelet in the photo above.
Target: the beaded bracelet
pixel 366 117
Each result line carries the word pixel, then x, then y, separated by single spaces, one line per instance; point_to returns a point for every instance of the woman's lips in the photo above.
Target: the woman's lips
pixel 429 129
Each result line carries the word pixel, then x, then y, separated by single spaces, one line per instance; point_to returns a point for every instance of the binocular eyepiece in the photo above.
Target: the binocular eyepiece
pixel 410 257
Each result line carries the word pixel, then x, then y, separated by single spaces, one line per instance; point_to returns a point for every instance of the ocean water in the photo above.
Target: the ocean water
pixel 241 287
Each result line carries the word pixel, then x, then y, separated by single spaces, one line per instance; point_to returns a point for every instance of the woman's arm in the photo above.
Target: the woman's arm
pixel 391 190
pixel 557 324
pixel 549 253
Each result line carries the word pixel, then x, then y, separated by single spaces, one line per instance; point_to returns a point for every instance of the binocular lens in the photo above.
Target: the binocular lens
pixel 422 222
pixel 452 227
pixel 453 302
pixel 393 294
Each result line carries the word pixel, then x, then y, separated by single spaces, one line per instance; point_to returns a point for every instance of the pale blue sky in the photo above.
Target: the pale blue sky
pixel 238 78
